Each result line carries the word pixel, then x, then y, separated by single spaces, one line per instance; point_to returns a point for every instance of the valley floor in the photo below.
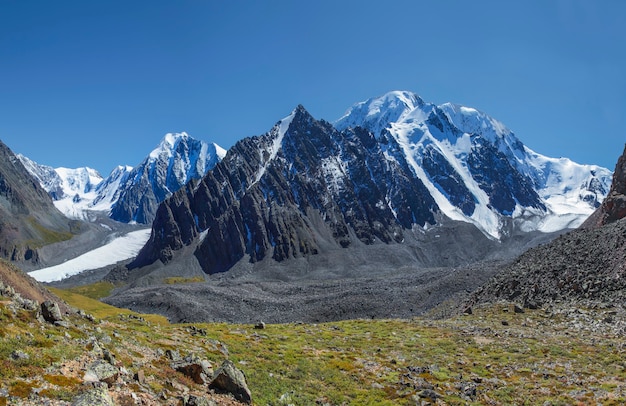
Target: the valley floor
pixel 497 355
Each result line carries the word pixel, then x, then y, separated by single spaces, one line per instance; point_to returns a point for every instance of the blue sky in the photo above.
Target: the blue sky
pixel 98 83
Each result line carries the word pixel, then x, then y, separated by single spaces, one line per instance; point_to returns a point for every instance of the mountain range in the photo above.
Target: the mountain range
pixel 128 194
pixel 438 185
pixel 392 168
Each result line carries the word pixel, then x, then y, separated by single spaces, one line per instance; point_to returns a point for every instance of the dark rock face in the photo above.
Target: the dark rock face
pixel 613 207
pixel 503 184
pixel 295 191
pixel 448 180
pixel 28 218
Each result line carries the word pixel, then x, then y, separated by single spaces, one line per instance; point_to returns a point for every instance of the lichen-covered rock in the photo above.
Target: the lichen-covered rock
pixel 95 397
pixel 231 380
pixel 51 312
pixel 102 371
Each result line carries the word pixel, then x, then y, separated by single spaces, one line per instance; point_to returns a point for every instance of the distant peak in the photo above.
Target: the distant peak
pixel 378 112
pixel 219 151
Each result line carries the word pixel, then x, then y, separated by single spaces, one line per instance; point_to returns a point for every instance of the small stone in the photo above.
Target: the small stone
pixel 199 371
pixel 429 394
pixel 260 325
pixel 468 310
pixel 518 309
pixel 108 357
pixel 140 376
pixel 101 371
pixel 18 355
pixel 173 355
pixel 193 400
pixel 505 323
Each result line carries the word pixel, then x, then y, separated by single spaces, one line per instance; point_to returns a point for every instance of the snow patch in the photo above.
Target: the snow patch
pixel 119 249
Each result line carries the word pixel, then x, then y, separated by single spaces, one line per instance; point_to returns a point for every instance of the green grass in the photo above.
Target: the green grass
pixel 175 280
pixel 96 290
pixel 358 362
pixel 99 309
pixel 46 235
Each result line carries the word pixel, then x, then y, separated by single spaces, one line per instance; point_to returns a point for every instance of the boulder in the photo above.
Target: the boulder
pixel 51 312
pixel 231 380
pixel 198 370
pixel 95 397
pixel 102 371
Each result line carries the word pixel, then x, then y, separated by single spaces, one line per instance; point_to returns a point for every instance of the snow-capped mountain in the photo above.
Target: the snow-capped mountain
pixel 476 169
pixel 390 170
pixel 128 194
pixel 177 159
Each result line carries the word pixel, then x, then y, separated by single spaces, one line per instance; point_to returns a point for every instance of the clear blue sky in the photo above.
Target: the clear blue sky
pixel 98 83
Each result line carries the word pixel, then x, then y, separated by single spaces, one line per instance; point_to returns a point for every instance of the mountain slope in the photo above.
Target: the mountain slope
pixel 477 170
pixel 586 264
pixel 299 189
pixel 178 159
pixel 28 218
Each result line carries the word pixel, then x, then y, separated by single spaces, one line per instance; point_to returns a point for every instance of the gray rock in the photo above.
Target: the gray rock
pixel 18 355
pixel 193 400
pixel 101 371
pixel 231 380
pixel 140 376
pixel 51 312
pixel 109 357
pixel 95 397
pixel 198 370
pixel 173 355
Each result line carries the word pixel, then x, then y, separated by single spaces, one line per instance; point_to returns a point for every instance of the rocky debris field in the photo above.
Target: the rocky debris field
pixel 582 265
pixel 406 293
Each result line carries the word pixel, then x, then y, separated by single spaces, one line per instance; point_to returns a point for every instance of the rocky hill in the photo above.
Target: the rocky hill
pixel 587 264
pixel 28 218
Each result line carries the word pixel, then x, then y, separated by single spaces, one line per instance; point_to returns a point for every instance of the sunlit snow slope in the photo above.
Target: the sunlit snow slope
pixel 119 249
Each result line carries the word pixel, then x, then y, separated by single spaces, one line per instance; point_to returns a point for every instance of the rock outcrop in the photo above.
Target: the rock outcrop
pixel 613 207
pixel 231 380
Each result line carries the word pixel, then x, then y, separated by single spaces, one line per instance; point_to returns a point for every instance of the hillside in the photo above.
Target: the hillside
pixel 585 265
pixel 28 218
pixel 496 355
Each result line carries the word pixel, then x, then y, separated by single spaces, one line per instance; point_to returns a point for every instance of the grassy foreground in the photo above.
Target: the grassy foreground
pixel 494 356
